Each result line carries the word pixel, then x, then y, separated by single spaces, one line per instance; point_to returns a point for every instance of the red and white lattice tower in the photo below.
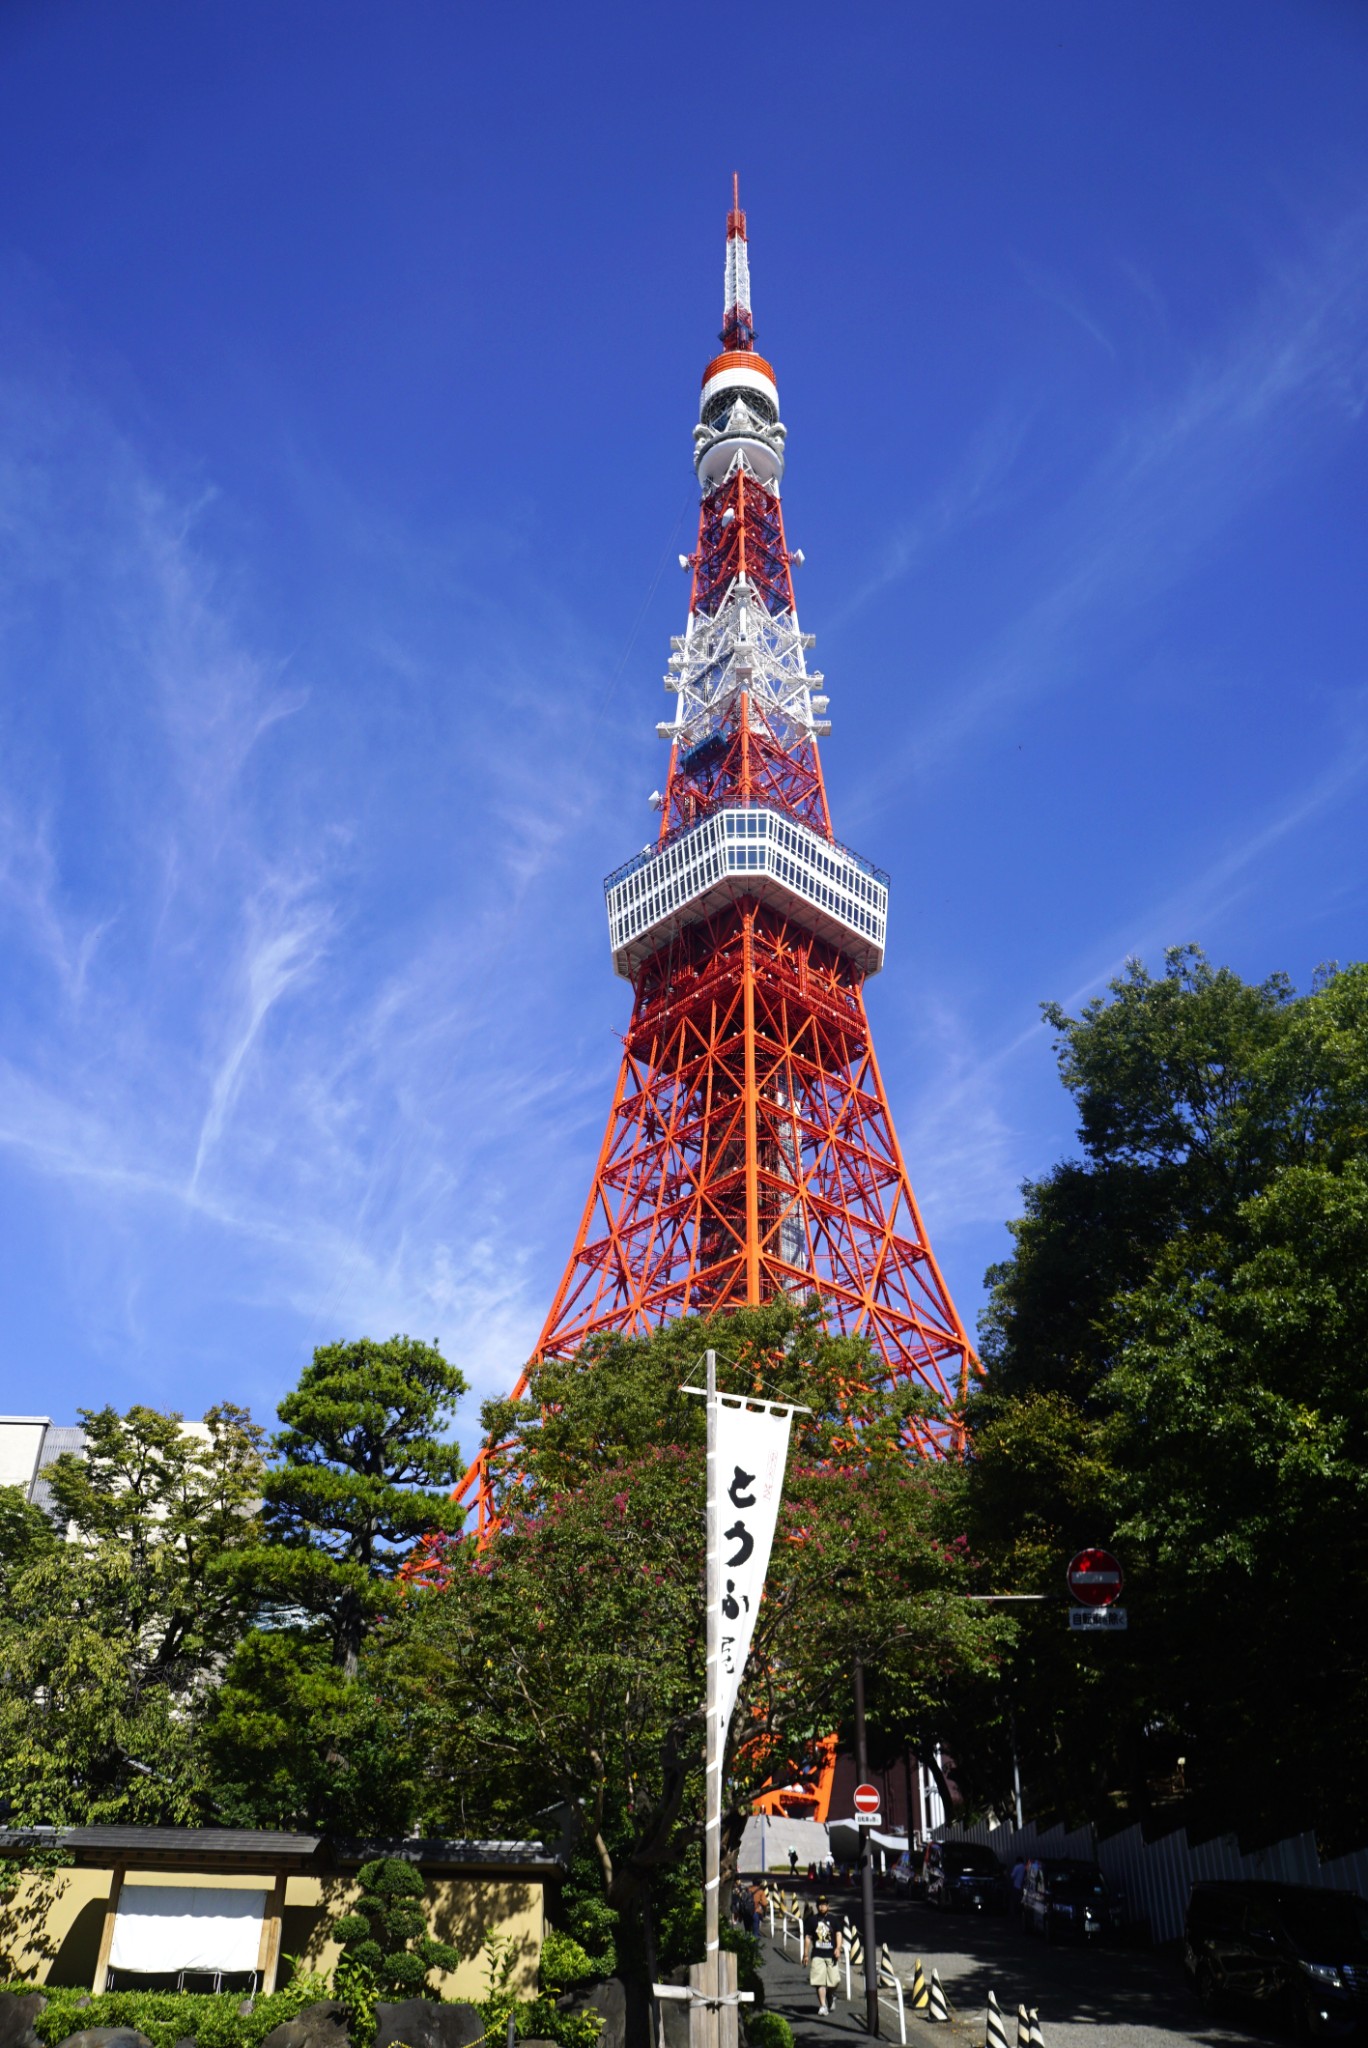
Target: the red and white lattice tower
pixel 749 1149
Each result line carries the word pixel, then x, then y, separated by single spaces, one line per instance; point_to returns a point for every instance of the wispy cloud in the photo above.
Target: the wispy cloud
pixel 1176 474
pixel 248 1030
pixel 284 941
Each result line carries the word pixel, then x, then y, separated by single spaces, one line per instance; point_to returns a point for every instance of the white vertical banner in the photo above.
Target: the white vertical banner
pixel 752 1446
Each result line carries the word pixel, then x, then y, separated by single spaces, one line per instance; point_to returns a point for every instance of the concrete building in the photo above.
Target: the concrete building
pixel 28 1445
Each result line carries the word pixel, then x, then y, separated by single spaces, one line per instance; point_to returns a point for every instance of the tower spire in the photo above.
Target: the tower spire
pixel 738 330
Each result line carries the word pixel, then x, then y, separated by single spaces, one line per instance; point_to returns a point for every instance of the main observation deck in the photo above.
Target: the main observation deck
pixel 747 850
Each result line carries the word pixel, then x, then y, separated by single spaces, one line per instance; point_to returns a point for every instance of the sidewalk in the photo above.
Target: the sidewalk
pixel 787 1991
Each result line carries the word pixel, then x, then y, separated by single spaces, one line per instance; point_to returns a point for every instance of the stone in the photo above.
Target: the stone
pixel 107 2037
pixel 317 2026
pixel 18 2011
pixel 423 2023
pixel 674 2012
pixel 609 2000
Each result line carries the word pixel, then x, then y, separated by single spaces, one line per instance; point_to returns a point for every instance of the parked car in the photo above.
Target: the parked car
pixel 1300 1949
pixel 1065 1898
pixel 966 1875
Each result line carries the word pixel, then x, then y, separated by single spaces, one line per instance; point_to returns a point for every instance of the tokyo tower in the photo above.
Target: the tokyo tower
pixel 750 1150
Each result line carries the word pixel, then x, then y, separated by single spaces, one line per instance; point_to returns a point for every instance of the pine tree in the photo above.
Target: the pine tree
pixel 362 1477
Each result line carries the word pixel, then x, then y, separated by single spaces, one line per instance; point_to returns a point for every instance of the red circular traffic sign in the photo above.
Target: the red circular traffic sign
pixel 866 1799
pixel 1095 1578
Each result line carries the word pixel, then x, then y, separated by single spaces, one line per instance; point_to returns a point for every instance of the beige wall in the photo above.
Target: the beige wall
pixel 461 1910
pixel 50 1929
pixel 50 1926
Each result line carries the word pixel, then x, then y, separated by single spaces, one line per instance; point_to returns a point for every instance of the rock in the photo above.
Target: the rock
pixel 18 2011
pixel 318 2026
pixel 423 2023
pixel 609 2000
pixel 674 2012
pixel 108 2037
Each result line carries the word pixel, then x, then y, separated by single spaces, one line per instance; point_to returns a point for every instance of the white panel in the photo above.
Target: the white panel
pixel 742 378
pixel 826 888
pixel 162 1927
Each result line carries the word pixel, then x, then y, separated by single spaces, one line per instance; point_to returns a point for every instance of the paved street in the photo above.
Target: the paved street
pixel 1136 1999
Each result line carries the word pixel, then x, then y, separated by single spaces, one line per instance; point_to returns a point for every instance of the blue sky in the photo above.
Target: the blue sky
pixel 348 361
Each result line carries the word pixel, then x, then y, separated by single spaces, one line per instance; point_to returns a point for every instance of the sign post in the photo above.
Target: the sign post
pixel 1095 1580
pixel 871 1933
pixel 867 1806
pixel 713 2034
pixel 747 1444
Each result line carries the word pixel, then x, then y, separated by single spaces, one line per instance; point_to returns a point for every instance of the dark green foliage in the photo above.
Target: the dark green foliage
pixel 293 1743
pixel 362 1476
pixel 313 1723
pixel 1177 1355
pixel 385 1933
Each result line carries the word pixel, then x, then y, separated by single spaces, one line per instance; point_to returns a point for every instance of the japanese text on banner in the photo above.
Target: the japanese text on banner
pixel 752 1445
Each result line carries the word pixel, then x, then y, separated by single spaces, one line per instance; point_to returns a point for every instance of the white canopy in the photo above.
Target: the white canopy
pixel 162 1927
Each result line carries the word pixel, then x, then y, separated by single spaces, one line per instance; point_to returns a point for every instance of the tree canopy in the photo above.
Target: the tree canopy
pixel 571 1646
pixel 110 1643
pixel 1176 1356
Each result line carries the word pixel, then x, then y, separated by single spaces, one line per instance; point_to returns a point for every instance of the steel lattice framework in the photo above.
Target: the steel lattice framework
pixel 750 1150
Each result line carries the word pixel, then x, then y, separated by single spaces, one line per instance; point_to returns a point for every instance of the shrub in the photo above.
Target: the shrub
pixel 767 2030
pixel 166 2017
pixel 385 1934
pixel 540 2018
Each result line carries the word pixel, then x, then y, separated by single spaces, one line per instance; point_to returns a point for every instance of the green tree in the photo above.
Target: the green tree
pixel 570 1648
pixel 110 1643
pixel 26 1534
pixel 385 1933
pixel 362 1477
pixel 291 1742
pixel 1176 1367
pixel 313 1723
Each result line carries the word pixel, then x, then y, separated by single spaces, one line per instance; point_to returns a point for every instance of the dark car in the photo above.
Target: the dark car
pixel 1301 1949
pixel 1065 1898
pixel 964 1874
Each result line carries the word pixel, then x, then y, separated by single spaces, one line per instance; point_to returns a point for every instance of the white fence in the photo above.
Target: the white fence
pixel 1154 1878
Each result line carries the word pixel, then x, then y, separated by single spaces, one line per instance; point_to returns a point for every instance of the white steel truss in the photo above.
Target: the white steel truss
pixel 740 647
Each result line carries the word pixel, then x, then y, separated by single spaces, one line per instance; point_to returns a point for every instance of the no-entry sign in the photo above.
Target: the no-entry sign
pixel 867 1801
pixel 1095 1578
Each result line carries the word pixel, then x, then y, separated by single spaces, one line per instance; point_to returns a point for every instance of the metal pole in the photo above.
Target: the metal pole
pixel 1016 1769
pixel 712 1800
pixel 871 1942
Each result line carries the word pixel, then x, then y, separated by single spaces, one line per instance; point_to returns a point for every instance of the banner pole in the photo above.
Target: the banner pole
pixel 712 1800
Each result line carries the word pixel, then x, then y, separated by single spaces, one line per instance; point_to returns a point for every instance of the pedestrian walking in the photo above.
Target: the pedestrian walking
pixel 1018 1880
pixel 822 1932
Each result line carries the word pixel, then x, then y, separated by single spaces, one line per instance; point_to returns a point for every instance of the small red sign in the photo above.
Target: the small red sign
pixel 1095 1578
pixel 866 1799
